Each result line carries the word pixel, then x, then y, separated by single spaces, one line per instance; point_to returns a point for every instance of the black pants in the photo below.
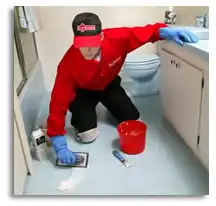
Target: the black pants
pixel 114 98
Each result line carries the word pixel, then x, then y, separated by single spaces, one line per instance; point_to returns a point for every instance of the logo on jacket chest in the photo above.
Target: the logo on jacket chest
pixel 114 62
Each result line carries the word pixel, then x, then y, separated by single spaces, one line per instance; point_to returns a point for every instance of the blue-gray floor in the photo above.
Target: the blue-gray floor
pixel 167 167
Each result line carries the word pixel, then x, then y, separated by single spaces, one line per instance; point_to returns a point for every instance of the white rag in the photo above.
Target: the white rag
pixel 77 176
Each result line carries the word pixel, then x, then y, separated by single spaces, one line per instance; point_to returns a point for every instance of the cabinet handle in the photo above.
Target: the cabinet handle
pixel 177 65
pixel 172 62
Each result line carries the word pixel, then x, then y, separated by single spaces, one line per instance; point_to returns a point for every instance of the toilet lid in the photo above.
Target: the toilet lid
pixel 141 58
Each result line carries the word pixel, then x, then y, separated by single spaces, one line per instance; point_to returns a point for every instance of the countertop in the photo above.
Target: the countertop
pixel 194 53
pixel 201 48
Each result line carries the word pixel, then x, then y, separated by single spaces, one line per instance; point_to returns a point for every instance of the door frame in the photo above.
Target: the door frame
pixel 22 134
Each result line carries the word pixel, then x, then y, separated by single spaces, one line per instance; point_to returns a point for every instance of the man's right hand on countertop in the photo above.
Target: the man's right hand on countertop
pixel 178 35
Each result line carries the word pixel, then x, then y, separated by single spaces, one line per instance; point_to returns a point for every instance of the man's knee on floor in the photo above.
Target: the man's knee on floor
pixel 88 136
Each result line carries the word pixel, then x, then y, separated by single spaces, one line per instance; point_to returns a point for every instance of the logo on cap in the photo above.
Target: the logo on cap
pixel 82 27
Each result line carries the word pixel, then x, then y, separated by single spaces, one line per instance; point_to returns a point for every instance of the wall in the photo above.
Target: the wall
pixel 186 15
pixel 56 36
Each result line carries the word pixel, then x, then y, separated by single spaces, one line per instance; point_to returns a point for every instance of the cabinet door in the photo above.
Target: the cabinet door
pixel 203 147
pixel 181 96
pixel 20 169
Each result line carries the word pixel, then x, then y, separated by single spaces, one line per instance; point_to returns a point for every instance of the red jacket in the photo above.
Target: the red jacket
pixel 75 72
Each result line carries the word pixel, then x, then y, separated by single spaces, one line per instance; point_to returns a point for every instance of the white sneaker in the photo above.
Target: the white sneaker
pixel 88 136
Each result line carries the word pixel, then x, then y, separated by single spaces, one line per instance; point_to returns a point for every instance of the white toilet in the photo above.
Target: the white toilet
pixel 143 72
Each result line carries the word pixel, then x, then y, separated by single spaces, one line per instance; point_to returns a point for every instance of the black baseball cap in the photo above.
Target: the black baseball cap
pixel 87 30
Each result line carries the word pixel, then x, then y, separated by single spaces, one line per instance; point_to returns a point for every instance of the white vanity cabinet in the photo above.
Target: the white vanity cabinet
pixel 184 96
pixel 181 96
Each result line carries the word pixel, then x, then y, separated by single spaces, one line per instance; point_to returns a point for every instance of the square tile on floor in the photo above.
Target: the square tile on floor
pixel 167 167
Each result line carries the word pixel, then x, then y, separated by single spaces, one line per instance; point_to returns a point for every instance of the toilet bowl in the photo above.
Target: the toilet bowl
pixel 143 71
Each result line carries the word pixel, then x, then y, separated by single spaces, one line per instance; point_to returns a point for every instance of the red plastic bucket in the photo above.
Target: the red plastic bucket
pixel 132 136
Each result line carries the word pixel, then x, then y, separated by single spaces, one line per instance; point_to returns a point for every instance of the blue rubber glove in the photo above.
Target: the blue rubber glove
pixel 64 155
pixel 178 35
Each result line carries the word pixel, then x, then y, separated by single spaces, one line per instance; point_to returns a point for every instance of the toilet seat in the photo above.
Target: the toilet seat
pixel 141 62
pixel 145 61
